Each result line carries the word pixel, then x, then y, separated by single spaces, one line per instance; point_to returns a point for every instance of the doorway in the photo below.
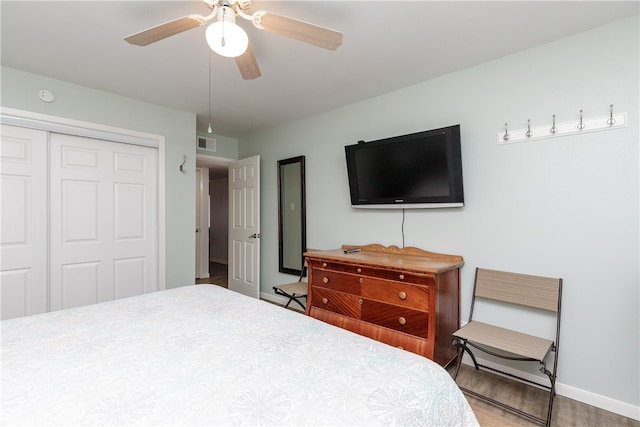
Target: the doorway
pixel 212 235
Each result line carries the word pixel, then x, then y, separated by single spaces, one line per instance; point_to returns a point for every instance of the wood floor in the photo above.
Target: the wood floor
pixel 218 275
pixel 566 412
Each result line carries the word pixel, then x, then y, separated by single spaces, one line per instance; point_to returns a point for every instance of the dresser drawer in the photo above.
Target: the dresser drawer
pixel 372 271
pixel 402 294
pixel 337 302
pixel 413 322
pixel 401 276
pixel 339 281
pixel 407 342
pixel 338 266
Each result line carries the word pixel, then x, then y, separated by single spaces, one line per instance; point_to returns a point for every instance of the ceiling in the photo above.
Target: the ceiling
pixel 387 45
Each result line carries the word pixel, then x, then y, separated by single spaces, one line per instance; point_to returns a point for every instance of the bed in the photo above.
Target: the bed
pixel 202 355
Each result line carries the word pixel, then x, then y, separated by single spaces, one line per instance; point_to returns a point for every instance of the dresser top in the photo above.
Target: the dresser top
pixel 392 257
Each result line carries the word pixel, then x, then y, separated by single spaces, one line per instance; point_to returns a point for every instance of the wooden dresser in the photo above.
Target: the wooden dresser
pixel 408 298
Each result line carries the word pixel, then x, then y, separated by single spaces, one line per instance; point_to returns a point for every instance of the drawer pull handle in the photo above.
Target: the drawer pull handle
pixel 402 277
pixel 402 295
pixel 402 320
pixel 325 280
pixel 360 301
pixel 361 280
pixel 325 301
pixel 324 265
pixel 359 270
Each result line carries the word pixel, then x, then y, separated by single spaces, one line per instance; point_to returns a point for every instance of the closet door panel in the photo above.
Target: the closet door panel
pixel 129 277
pixel 80 284
pixel 79 214
pixel 23 229
pixel 134 207
pixel 103 226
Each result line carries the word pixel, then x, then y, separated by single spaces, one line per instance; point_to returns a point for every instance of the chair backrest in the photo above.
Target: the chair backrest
pixel 526 290
pixel 303 272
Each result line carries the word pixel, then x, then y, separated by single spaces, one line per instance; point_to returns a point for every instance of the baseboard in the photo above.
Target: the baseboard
pixel 593 399
pixel 599 401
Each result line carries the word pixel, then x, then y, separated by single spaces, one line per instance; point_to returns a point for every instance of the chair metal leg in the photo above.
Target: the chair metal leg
pixel 459 361
pixel 462 347
pixel 552 395
pixel 293 298
pixel 546 422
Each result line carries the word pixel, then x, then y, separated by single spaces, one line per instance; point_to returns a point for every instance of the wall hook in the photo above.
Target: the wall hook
pixel 529 131
pixel 553 129
pixel 182 165
pixel 581 125
pixel 506 134
pixel 611 120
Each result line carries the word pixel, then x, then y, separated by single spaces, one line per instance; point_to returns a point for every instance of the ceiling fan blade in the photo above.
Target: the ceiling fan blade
pixel 165 30
pixel 300 30
pixel 247 65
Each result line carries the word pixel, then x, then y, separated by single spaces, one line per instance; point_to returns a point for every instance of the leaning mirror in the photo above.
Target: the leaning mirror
pixel 292 229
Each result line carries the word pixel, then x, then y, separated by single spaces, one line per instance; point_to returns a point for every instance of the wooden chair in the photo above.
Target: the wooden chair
pixel 295 291
pixel 533 293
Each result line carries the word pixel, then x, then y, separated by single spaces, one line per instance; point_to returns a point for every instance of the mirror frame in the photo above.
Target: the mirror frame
pixel 303 215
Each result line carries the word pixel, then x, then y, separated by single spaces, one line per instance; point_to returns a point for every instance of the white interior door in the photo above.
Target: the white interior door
pixel 244 226
pixel 102 220
pixel 23 233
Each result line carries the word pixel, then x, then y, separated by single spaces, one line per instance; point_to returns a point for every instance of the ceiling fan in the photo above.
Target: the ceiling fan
pixel 226 38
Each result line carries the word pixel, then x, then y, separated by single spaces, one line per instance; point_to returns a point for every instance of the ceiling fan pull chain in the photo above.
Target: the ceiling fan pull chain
pixel 209 129
pixel 222 41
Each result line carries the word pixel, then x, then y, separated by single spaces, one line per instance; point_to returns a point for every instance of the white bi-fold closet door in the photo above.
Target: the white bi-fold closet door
pixel 79 221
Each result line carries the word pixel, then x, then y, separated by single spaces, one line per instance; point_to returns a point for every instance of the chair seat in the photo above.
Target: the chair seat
pixel 297 288
pixel 504 339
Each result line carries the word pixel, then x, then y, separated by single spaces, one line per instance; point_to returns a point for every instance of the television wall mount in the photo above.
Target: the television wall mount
pixel 552 130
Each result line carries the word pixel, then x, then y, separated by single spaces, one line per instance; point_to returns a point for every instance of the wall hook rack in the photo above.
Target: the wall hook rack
pixel 583 125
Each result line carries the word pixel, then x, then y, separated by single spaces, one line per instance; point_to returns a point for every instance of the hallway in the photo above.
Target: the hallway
pixel 217 275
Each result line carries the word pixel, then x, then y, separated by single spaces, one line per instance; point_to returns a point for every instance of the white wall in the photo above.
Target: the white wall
pixel 564 207
pixel 19 91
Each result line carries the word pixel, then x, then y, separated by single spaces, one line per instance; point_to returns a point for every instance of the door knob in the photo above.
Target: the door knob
pixel 254 236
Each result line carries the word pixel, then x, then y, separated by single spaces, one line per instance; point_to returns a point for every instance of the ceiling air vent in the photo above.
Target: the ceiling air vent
pixel 208 144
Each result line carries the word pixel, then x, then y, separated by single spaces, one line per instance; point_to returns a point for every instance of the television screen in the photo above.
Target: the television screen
pixel 419 170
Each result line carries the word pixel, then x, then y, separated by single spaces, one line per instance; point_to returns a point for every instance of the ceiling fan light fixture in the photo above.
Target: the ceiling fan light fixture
pixel 225 37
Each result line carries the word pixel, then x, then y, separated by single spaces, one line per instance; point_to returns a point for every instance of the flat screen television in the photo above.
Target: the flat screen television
pixel 417 170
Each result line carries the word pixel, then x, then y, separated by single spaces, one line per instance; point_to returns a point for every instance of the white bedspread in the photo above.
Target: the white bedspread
pixel 202 355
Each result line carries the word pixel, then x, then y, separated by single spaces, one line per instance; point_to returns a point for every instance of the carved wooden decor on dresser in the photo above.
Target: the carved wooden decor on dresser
pixel 408 298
